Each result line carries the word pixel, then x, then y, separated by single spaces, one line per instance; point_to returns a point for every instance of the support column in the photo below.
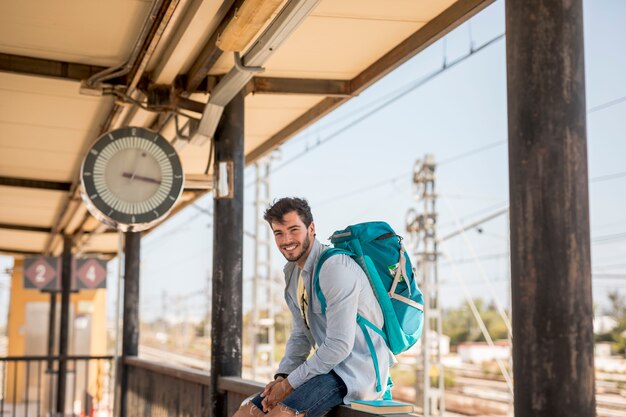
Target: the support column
pixel 66 282
pixel 550 243
pixel 51 331
pixel 226 324
pixel 130 317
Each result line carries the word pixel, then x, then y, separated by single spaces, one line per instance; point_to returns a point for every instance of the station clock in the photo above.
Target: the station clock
pixel 131 178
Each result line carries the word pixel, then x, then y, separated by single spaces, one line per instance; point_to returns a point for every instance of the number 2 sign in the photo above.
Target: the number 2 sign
pixel 42 272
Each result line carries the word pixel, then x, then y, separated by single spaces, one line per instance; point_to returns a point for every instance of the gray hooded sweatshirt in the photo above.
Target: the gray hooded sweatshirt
pixel 339 341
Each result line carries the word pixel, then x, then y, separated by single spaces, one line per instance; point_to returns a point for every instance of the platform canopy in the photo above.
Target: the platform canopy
pixel 71 70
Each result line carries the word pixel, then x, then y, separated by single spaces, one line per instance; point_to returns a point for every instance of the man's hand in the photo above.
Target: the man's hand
pixel 267 390
pixel 275 392
pixel 270 384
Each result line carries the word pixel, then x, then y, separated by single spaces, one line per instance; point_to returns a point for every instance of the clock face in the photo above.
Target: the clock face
pixel 131 178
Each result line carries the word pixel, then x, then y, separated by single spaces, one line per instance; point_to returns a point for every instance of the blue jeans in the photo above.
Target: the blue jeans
pixel 316 397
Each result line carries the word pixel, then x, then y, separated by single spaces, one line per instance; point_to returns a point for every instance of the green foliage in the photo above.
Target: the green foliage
pixel 403 376
pixel 406 377
pixel 461 326
pixel 448 380
pixel 492 368
pixel 283 326
pixel 617 336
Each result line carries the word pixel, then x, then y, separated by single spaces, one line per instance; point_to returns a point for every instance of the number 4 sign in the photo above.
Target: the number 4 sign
pixel 90 273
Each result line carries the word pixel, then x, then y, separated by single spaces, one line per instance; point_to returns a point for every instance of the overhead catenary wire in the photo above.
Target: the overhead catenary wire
pixel 488 256
pixel 395 178
pixel 406 90
pixel 608 276
pixel 473 152
pixel 609 238
pixel 175 263
pixel 492 207
pixel 462 229
pixel 611 266
pixel 176 229
pixel 506 281
pixel 607 105
pixel 398 91
pixel 360 190
pixel 403 91
pixel 609 177
pixel 455 158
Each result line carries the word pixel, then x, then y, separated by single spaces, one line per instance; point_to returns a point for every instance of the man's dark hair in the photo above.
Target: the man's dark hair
pixel 280 207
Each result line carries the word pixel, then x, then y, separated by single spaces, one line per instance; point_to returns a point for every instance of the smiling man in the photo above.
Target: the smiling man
pixel 340 369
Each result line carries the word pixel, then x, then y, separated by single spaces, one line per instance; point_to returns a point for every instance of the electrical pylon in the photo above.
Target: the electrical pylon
pixel 422 228
pixel 262 334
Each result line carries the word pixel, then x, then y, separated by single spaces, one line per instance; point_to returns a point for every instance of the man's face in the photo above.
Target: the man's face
pixel 293 238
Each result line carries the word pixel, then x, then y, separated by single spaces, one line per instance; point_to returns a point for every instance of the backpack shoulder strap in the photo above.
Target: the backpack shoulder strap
pixel 316 276
pixel 361 322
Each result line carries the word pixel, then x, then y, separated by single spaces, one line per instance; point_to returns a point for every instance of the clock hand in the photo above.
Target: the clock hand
pixel 141 178
pixel 137 160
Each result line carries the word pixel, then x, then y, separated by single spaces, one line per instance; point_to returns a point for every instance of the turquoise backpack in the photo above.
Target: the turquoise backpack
pixel 379 252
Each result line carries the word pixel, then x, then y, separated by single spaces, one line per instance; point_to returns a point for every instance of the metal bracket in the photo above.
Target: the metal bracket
pixel 241 67
pixel 180 131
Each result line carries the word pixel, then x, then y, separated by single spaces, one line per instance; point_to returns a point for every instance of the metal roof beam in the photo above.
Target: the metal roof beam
pixel 308 118
pixel 437 28
pixel 278 30
pixel 25 228
pixel 276 85
pixel 20 252
pixel 210 53
pixel 37 229
pixel 47 67
pixel 10 251
pixel 321 87
pixel 270 85
pixel 35 183
pixel 134 69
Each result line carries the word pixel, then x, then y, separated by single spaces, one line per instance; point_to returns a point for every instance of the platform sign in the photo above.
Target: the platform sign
pixel 42 272
pixel 90 273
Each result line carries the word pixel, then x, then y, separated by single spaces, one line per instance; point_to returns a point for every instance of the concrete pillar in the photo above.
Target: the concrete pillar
pixel 130 315
pixel 226 330
pixel 550 243
pixel 66 283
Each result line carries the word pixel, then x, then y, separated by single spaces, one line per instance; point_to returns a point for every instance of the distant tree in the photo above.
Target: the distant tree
pixel 617 309
pixel 458 324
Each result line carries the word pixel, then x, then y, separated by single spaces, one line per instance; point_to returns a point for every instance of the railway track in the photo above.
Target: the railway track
pixel 610 399
pixel 473 392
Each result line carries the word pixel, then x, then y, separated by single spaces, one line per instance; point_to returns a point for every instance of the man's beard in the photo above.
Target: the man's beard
pixel 305 248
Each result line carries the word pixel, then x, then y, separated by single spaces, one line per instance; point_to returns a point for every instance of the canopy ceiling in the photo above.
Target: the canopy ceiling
pixel 50 113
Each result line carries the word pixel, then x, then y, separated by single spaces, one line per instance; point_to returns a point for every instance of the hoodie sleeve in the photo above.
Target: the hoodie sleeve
pixel 339 282
pixel 297 349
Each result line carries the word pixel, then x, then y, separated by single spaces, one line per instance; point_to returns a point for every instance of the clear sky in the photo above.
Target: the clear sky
pixel 355 165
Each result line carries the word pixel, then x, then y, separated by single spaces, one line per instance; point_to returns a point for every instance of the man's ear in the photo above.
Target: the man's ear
pixel 312 228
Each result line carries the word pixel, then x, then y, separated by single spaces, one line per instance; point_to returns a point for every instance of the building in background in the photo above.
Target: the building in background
pixel 27 333
pixel 479 352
